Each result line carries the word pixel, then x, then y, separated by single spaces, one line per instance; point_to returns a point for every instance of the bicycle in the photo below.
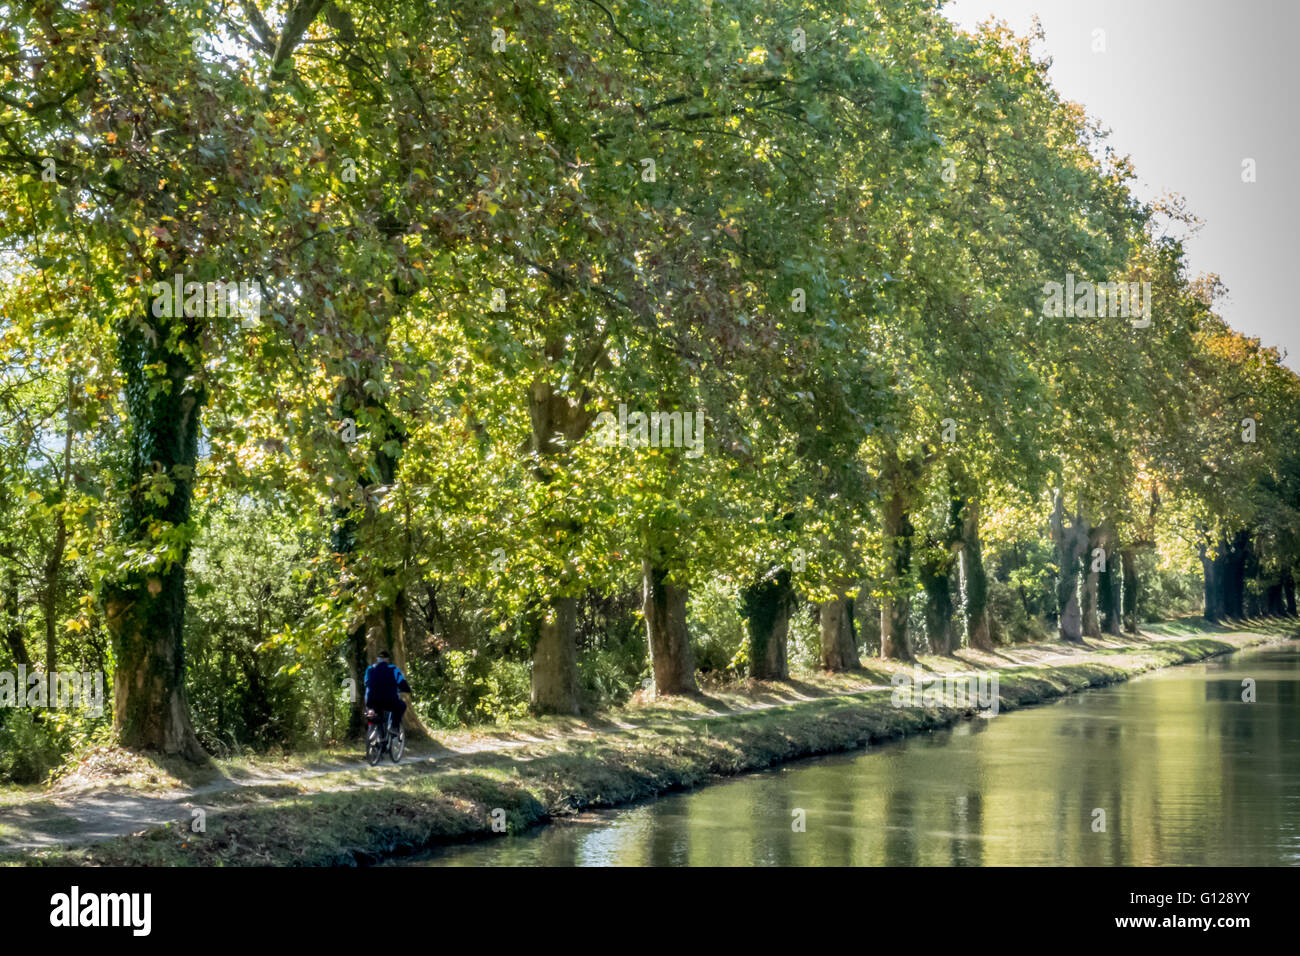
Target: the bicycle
pixel 380 739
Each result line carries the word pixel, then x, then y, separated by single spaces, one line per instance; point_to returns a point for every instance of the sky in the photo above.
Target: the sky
pixel 1190 89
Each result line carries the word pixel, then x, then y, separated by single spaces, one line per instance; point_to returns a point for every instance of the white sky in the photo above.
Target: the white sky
pixel 1189 88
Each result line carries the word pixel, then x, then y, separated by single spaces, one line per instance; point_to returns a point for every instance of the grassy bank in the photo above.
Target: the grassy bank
pixel 364 815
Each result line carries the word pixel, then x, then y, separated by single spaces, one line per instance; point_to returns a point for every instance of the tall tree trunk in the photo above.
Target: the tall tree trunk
pixel 936 572
pixel 555 660
pixel 556 422
pixel 1224 576
pixel 1288 591
pixel 1246 567
pixel 1212 591
pixel 1108 598
pixel 1110 595
pixel 974 582
pixel 664 606
pixel 839 643
pixel 1071 542
pixel 145 611
pixel 1097 540
pixel 766 606
pixel 150 706
pixel 895 643
pixel 1129 598
pixel 161 360
pixel 1240 553
pixel 1252 572
pixel 1273 603
pixel 1067 596
pixel 1232 584
pixel 941 556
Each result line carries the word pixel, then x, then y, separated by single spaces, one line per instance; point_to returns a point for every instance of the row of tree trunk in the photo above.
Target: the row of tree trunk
pixel 956 550
pixel 1225 576
pixel 768 603
pixel 1227 567
pixel 1097 594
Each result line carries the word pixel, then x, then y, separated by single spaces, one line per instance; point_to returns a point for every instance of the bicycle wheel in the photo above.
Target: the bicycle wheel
pixel 374 746
pixel 396 744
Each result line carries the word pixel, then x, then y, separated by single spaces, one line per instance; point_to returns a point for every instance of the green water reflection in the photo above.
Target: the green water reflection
pixel 1185 771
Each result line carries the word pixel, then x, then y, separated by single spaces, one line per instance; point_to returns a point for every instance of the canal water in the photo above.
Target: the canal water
pixel 1185 772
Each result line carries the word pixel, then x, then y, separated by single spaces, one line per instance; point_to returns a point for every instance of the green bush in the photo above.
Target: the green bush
pixel 610 676
pixel 249 689
pixel 467 687
pixel 1165 593
pixel 28 751
pixel 613 655
pixel 1009 622
pixel 33 743
pixel 717 629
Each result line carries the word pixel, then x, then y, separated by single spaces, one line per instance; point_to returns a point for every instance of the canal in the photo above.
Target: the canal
pixel 1182 770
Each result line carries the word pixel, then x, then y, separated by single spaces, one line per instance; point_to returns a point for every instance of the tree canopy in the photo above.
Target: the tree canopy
pixel 471 333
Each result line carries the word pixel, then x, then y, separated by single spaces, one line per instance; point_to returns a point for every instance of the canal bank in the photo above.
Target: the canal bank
pixel 371 817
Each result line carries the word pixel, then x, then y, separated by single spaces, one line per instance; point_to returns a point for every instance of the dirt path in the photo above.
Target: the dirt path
pixel 57 817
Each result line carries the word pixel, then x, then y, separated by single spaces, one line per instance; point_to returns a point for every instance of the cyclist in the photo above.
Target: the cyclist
pixel 383 683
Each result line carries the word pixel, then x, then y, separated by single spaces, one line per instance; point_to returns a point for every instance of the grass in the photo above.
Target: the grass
pixel 357 815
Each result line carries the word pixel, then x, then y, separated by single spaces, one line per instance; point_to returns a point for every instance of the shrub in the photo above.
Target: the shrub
pixel 717 629
pixel 34 743
pixel 1009 621
pixel 467 687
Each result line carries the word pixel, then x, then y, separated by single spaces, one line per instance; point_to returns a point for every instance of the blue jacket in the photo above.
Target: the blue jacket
pixel 383 682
